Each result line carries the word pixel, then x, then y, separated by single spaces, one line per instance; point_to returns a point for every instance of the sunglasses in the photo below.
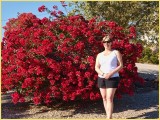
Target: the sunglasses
pixel 107 41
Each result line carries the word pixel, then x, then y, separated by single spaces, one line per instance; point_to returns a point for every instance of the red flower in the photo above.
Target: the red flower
pixel 80 84
pixel 82 66
pixel 87 74
pixel 60 13
pixel 89 33
pixel 52 82
pixel 91 61
pixel 63 27
pixel 79 46
pixel 45 42
pixel 43 21
pixel 78 73
pixel 27 83
pixel 57 94
pixel 22 99
pixel 63 3
pixel 15 97
pixel 98 96
pixel 132 32
pixel 112 24
pixel 69 28
pixel 61 36
pixel 130 67
pixel 22 42
pixel 92 96
pixel 119 28
pixel 55 7
pixel 65 98
pixel 54 13
pixel 77 59
pixel 132 29
pixel 73 96
pixel 36 100
pixel 42 8
pixel 50 76
pixel 57 77
pixel 91 40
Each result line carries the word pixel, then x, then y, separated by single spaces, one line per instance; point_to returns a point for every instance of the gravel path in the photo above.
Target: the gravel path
pixel 144 104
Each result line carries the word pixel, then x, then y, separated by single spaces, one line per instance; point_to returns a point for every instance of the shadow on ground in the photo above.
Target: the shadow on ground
pixel 8 108
pixel 139 102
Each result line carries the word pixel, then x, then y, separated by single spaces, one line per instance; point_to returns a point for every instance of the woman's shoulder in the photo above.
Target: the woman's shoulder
pixel 99 54
pixel 116 51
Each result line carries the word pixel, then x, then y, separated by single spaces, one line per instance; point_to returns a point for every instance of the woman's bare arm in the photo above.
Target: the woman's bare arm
pixel 97 66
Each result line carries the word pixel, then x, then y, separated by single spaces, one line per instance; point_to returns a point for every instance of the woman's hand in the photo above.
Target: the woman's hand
pixel 107 75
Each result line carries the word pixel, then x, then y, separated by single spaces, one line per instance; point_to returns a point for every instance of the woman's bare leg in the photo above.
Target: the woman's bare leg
pixel 104 97
pixel 110 96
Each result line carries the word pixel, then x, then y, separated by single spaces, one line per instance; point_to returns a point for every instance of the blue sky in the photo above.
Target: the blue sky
pixel 10 9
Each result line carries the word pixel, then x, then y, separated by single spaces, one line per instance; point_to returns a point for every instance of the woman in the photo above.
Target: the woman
pixel 108 64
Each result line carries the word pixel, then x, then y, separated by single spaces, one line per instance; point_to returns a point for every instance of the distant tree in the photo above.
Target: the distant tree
pixel 142 14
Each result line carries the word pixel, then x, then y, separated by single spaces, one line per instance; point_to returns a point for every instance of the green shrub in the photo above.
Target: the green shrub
pixel 148 56
pixel 154 60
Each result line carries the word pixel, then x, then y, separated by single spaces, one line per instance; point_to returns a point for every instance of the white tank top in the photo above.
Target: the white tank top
pixel 108 63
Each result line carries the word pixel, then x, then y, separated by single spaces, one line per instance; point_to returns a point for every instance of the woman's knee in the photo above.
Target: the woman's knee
pixel 110 94
pixel 104 98
pixel 103 94
pixel 109 98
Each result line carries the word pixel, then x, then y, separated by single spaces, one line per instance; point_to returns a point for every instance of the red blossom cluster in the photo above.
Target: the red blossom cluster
pixel 49 60
pixel 132 32
pixel 42 8
pixel 63 3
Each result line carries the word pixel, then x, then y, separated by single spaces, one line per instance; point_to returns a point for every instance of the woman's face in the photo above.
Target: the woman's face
pixel 107 44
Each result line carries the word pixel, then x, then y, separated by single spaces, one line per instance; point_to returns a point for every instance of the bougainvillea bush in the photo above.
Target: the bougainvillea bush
pixel 44 59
